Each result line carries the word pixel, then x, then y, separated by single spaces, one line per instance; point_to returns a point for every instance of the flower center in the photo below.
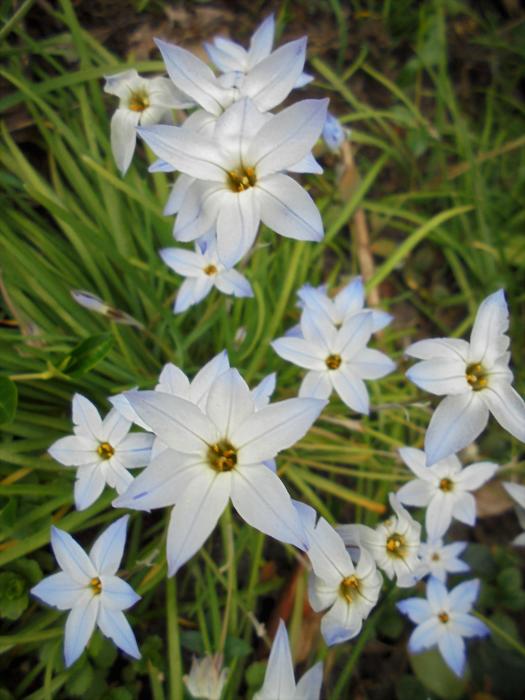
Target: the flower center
pixel 105 450
pixel 138 101
pixel 222 456
pixel 349 588
pixel 446 485
pixel 210 270
pixel 476 376
pixel 241 179
pixel 96 585
pixel 435 556
pixel 333 361
pixel 396 545
pixel 443 616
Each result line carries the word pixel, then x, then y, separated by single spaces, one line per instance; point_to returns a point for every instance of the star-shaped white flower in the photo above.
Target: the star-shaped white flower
pixel 87 586
pixel 517 492
pixel 206 678
pixel 215 455
pixel 203 271
pixel 336 357
pixel 475 378
pixel 443 489
pixel 279 679
pixel 142 101
pixel 101 451
pixel 350 592
pixel 240 175
pixel 394 544
pixel 440 559
pixel 442 620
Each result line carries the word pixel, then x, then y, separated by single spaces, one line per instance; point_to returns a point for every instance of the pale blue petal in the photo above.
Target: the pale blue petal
pixel 59 590
pixel 71 557
pixel 279 681
pixel 309 687
pixel 463 596
pixel 106 553
pixel 117 594
pixel 79 628
pixel 424 636
pixel 417 609
pixel 452 649
pixel 114 625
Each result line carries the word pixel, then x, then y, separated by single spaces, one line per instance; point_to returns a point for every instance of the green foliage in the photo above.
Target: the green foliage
pixel 435 675
pixel 8 400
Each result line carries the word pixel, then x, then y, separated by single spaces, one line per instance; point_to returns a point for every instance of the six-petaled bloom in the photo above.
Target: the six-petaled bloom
pixel 438 559
pixel 206 678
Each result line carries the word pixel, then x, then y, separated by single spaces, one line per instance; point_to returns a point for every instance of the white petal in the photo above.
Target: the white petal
pixel 416 462
pixel 178 193
pixel 270 81
pixel 353 335
pixel 86 416
pixel 261 42
pixel 463 596
pixel 117 594
pixel 230 402
pixel 183 262
pixel 424 636
pixel 416 493
pixel 515 491
pixel 317 300
pixel 287 137
pixel 279 681
pixel 135 450
pixel 205 377
pixel 464 508
pixel 119 84
pixel 193 154
pixel 195 516
pixel 456 422
pixel 113 624
pixel 261 499
pixel 192 291
pixel 193 77
pixel 469 626
pixel 108 549
pixel 236 128
pixel 74 450
pixel 160 166
pixel 59 590
pixel 474 476
pixel 437 595
pixel 163 93
pixel 507 407
pixel 124 137
pixel 237 225
pixel 309 686
pixel 451 348
pixel 179 423
pixel 440 376
pixel 199 210
pixel 123 406
pixel 300 352
pixel 452 649
pixel 89 484
pixel 340 623
pixel 71 557
pixel 439 515
pixel 318 330
pixel 172 380
pixel 232 282
pixel 417 609
pixel 224 61
pixel 351 299
pixel 351 389
pixel 79 628
pixel 274 428
pixel 114 428
pixel 262 392
pixel 308 164
pixel 487 339
pixel 316 385
pixel 288 209
pixel 372 364
pixel 328 555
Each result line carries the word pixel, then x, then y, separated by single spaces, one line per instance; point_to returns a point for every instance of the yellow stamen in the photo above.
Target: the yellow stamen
pixel 396 545
pixel 349 588
pixel 446 485
pixel 242 179
pixel 105 450
pixel 210 270
pixel 222 456
pixel 96 585
pixel 443 616
pixel 138 102
pixel 476 376
pixel 333 361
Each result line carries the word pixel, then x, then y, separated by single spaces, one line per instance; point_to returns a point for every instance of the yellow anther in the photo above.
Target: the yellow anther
pixel 210 270
pixel 96 585
pixel 446 485
pixel 138 102
pixel 349 588
pixel 476 376
pixel 443 616
pixel 333 361
pixel 105 450
pixel 242 179
pixel 395 544
pixel 222 456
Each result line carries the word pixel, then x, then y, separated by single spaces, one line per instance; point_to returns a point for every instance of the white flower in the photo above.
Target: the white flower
pixel 336 357
pixel 101 451
pixel 142 101
pixel 279 679
pixel 203 270
pixel 268 83
pixel 442 619
pixel 349 591
pixel 394 544
pixel 517 492
pixel 206 679
pixel 476 379
pixel 239 175
pixel 87 586
pixel 230 57
pixel 440 559
pixel 215 455
pixel 94 303
pixel 443 489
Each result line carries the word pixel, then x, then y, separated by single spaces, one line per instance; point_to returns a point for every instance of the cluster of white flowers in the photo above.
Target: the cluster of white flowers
pixel 212 439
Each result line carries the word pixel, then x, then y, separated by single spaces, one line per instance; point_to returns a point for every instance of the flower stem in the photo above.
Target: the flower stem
pixel 501 633
pixel 174 660
pixel 227 535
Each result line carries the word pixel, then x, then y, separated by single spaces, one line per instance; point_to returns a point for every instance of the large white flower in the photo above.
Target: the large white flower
pixel 443 489
pixel 394 544
pixel 87 586
pixel 215 455
pixel 142 101
pixel 443 620
pixel 101 451
pixel 349 591
pixel 239 175
pixel 203 271
pixel 279 679
pixel 336 357
pixel 440 559
pixel 475 378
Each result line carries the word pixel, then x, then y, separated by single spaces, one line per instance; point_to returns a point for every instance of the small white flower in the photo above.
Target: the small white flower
pixel 443 620
pixel 336 357
pixel 440 559
pixel 87 586
pixel 215 455
pixel 142 101
pixel 475 378
pixel 206 678
pixel 349 591
pixel 101 451
pixel 240 175
pixel 279 680
pixel 94 303
pixel 394 544
pixel 517 492
pixel 443 489
pixel 203 271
